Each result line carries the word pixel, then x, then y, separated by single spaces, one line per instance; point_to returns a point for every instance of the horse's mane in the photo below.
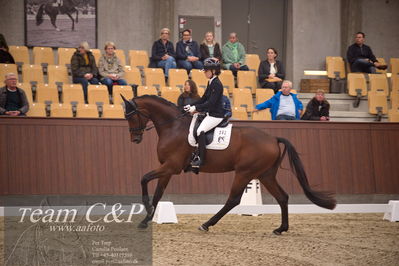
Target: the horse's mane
pixel 158 99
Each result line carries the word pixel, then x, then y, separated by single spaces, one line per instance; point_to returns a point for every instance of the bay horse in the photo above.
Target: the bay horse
pixel 68 7
pixel 252 153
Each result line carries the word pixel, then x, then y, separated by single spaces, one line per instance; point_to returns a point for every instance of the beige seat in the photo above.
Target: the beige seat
pixel 74 94
pixel 263 95
pixel 394 62
pixel 395 82
pixel 243 97
pixel 170 94
pixel 154 77
pixel 264 115
pixel 357 82
pixel 113 111
pixel 132 75
pixel 121 55
pixel 87 111
pixel 58 75
pixel 32 73
pixel 96 53
pixel 26 87
pixel 379 82
pixel 37 110
pixel 239 113
pixel 377 100
pixel 247 79
pixel 7 68
pixel 61 110
pixel 199 78
pixel 177 78
pixel 117 90
pixel 335 66
pixel 46 92
pixel 20 54
pixel 253 62
pixel 145 90
pixel 65 56
pixel 393 115
pixel 227 79
pixel 382 61
pixel 97 95
pixel 43 55
pixel 139 58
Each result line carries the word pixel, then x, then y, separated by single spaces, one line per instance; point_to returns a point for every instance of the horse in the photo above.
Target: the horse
pixel 68 7
pixel 251 153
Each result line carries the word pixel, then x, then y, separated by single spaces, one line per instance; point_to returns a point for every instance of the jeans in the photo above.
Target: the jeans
pixel 85 83
pixel 109 82
pixel 285 117
pixel 234 69
pixel 276 86
pixel 363 65
pixel 167 64
pixel 187 65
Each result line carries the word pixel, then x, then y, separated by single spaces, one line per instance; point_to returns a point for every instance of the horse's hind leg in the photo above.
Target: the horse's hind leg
pixel 239 184
pixel 73 22
pixel 53 19
pixel 270 182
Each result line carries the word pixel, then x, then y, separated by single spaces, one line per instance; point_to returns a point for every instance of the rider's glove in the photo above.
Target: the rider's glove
pixel 189 108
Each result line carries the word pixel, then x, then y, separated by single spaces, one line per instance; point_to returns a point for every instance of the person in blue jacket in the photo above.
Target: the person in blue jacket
pixel 284 105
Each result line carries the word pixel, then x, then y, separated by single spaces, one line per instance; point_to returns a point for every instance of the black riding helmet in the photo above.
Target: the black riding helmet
pixel 211 63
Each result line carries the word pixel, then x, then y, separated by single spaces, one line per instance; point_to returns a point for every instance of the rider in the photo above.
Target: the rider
pixel 211 103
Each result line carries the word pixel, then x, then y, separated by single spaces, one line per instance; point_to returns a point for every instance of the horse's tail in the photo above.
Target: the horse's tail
pixel 322 199
pixel 39 15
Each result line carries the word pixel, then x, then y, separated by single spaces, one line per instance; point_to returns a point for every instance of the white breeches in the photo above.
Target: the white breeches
pixel 207 124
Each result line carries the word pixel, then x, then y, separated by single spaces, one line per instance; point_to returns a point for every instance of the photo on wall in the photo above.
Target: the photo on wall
pixel 60 23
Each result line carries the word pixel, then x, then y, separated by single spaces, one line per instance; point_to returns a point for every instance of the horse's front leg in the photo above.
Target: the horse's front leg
pixel 77 18
pixel 73 22
pixel 53 19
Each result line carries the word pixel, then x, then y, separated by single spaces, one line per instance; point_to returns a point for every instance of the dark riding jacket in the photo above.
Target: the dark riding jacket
pixel 212 100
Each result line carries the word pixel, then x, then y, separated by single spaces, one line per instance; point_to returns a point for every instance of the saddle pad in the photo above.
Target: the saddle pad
pixel 221 138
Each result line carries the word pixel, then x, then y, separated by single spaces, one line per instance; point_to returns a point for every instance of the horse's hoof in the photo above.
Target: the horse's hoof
pixel 57 29
pixel 203 228
pixel 276 232
pixel 142 225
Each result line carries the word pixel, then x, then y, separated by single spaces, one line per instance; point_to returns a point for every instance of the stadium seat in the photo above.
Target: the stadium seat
pixel 395 82
pixel 96 53
pixel 28 91
pixel 117 90
pixel 227 79
pixel 121 55
pixel 86 111
pixel 43 56
pixel 247 79
pixel 32 73
pixel 37 110
pixel 263 95
pixel 243 97
pixel 170 94
pixel 97 95
pixel 72 86
pixel 7 68
pixel 177 78
pixel 378 105
pixel 139 58
pixel 393 115
pixel 132 75
pixel 382 61
pixel 20 54
pixel 154 77
pixel 262 115
pixel 379 82
pixel 61 110
pixel 253 62
pixel 74 94
pixel 58 75
pixel 335 66
pixel 199 78
pixel 113 111
pixel 65 56
pixel 239 113
pixel 143 90
pixel 395 99
pixel 357 81
pixel 394 62
pixel 46 92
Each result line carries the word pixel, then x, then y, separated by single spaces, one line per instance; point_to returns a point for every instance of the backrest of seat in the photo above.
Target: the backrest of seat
pixel 86 111
pixel 96 53
pixel 247 79
pixel 32 73
pixel 243 97
pixel 61 110
pixel 177 78
pixel 335 64
pixel 20 54
pixel 46 92
pixel 121 55
pixel 8 68
pixel 73 95
pixel 37 110
pixel 239 113
pixel 26 87
pixel 97 95
pixel 264 115
pixel 395 99
pixel 113 111
pixel 132 75
pixel 227 79
pixel 117 90
pixel 263 95
pixel 145 90
pixel 252 61
pixel 139 58
pixel 357 81
pixel 199 78
pixel 171 94
pixel 65 56
pixel 58 74
pixel 43 55
pixel 381 60
pixel 72 86
pixel 394 62
pixel 377 99
pixel 393 115
pixel 379 82
pixel 154 77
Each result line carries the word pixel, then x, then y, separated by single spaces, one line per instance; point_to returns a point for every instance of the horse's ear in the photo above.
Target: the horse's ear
pixel 128 103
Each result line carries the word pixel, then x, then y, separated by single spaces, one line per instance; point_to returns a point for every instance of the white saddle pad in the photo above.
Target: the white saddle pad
pixel 221 138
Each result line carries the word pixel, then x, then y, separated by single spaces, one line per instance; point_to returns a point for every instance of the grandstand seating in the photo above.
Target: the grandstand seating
pixel 394 62
pixel 65 55
pixel 247 79
pixel 227 79
pixel 72 94
pixel 395 82
pixel 149 90
pixel 335 66
pixel 86 111
pixel 43 56
pixel 393 115
pixel 46 92
pixel 37 110
pixel 243 97
pixel 117 90
pixel 239 113
pixel 96 53
pixel 132 75
pixel 395 99
pixel 379 82
pixel 177 78
pixel 97 93
pixel 171 94
pixel 199 78
pixel 121 55
pixel 263 95
pixel 32 73
pixel 253 62
pixel 382 61
pixel 20 54
pixel 262 115
pixel 377 101
pixel 7 68
pixel 28 91
pixel 139 58
pixel 154 77
pixel 113 111
pixel 61 110
pixel 357 81
pixel 58 75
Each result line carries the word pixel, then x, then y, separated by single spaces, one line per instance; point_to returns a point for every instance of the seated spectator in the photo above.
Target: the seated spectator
pixel 13 101
pixel 227 107
pixel 271 72
pixel 84 68
pixel 209 48
pixel 5 56
pixel 361 57
pixel 284 105
pixel 188 53
pixel 233 53
pixel 318 108
pixel 189 96
pixel 110 67
pixel 163 53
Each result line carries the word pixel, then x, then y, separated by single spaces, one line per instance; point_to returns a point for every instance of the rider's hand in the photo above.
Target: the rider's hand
pixel 189 108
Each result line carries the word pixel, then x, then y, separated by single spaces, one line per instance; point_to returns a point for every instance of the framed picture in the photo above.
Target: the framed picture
pixel 60 23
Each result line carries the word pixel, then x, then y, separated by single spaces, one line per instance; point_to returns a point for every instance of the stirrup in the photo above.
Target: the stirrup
pixel 196 162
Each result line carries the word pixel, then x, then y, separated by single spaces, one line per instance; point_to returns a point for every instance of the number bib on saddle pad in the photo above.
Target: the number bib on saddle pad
pixel 216 139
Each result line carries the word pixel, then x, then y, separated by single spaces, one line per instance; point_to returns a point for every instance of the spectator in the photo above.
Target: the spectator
pixel 13 101
pixel 271 72
pixel 189 96
pixel 163 53
pixel 188 53
pixel 84 69
pixel 226 107
pixel 5 56
pixel 233 53
pixel 209 48
pixel 361 57
pixel 110 67
pixel 284 105
pixel 318 108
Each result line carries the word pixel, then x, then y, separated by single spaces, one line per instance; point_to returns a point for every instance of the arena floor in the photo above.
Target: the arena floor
pixel 313 239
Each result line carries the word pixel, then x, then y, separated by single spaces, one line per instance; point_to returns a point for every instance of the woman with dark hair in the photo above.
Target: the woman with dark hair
pixel 5 56
pixel 271 72
pixel 189 96
pixel 318 108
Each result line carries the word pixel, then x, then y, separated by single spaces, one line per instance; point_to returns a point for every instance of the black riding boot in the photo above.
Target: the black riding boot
pixel 200 158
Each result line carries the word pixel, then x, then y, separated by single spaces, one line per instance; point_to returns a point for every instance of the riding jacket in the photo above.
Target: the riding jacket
pixel 212 100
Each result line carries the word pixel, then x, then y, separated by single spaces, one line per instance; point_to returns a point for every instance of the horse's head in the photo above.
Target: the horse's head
pixel 137 120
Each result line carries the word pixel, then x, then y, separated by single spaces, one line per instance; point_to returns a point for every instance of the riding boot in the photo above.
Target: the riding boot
pixel 200 158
